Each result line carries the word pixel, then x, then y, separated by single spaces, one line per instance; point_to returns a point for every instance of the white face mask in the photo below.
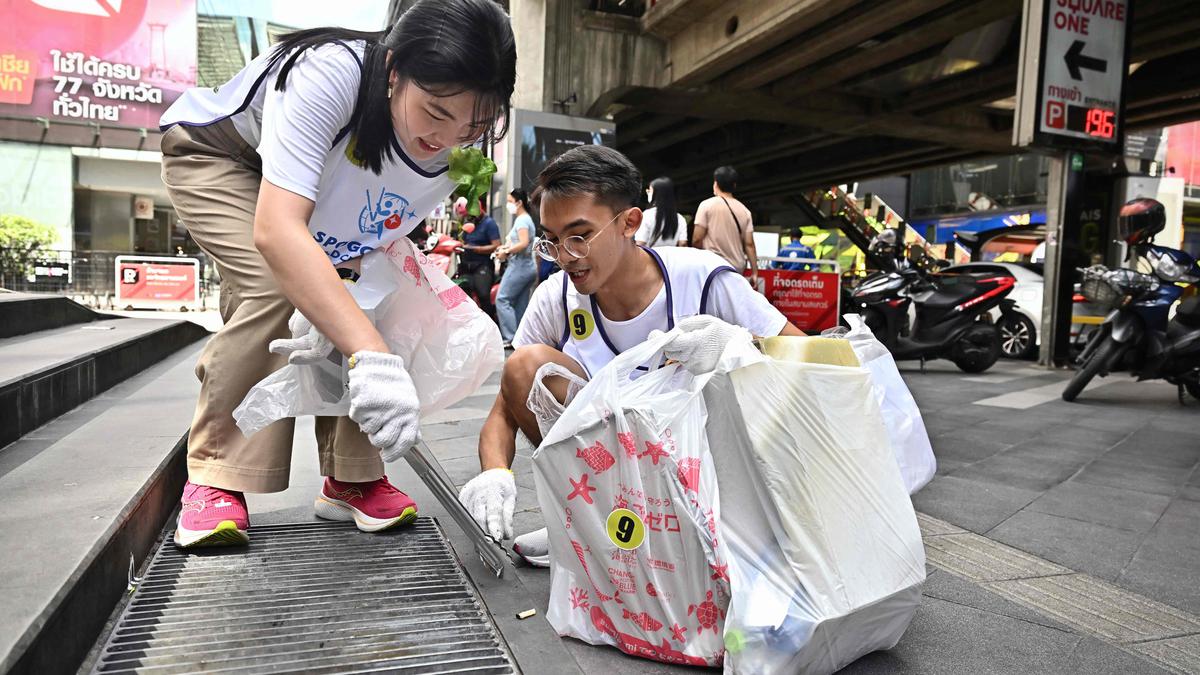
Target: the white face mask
pixel 512 207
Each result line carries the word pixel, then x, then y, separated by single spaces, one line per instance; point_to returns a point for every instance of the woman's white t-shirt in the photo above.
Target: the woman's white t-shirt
pixel 302 136
pixel 668 238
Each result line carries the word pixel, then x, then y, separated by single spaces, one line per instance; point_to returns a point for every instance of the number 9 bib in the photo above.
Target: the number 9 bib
pixel 582 324
pixel 626 529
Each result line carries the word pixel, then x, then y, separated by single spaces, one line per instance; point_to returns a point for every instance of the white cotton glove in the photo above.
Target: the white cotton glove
pixel 384 403
pixel 491 498
pixel 700 341
pixel 306 345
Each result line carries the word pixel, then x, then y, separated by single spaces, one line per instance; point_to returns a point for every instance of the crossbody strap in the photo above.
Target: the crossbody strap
pixel 735 218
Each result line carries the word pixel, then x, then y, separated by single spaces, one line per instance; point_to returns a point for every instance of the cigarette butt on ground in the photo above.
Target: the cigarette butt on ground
pixel 526 614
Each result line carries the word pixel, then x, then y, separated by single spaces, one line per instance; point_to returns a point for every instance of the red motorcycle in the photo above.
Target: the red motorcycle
pixel 444 250
pixel 951 311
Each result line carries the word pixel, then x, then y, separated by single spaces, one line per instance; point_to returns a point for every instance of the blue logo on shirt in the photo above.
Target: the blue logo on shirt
pixel 387 212
pixel 339 250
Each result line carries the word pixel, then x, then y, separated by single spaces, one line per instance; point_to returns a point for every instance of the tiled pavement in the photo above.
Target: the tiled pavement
pixel 1107 487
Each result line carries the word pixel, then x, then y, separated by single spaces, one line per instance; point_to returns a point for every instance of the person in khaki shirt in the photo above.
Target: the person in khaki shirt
pixel 724 225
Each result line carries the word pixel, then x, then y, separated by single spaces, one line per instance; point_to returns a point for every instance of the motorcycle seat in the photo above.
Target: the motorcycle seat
pixel 951 290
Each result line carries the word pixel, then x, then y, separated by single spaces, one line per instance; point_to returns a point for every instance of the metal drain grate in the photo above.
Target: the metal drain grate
pixel 311 598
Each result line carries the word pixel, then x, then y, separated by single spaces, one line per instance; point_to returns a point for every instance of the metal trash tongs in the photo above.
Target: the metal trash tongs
pixel 493 555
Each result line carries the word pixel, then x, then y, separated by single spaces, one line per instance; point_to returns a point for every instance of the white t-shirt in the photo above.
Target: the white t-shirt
pixel 668 238
pixel 731 299
pixel 303 138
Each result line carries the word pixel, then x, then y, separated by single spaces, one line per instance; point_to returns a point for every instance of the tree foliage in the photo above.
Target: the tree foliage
pixel 21 239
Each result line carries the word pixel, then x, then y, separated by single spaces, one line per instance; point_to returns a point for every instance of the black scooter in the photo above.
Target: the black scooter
pixel 1138 335
pixel 951 311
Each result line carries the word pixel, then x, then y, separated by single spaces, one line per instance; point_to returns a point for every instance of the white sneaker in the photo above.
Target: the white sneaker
pixel 534 547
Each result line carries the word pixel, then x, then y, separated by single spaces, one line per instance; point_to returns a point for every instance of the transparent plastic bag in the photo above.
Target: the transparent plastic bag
pixel 449 345
pixel 906 428
pixel 824 552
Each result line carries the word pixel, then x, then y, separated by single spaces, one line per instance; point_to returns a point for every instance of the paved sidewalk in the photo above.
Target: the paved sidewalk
pixel 1029 492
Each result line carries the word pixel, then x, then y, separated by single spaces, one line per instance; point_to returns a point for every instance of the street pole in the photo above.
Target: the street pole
pixel 1063 209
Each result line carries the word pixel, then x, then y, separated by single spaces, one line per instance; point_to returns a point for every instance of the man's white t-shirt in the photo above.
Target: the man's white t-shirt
pixel 668 238
pixel 731 299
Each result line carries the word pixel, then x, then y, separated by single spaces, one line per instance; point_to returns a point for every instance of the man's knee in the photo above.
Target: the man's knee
pixel 519 369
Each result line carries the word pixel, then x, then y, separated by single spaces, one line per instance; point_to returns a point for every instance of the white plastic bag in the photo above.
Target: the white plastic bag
pixel 905 426
pixel 797 544
pixel 626 485
pixel 448 344
pixel 824 552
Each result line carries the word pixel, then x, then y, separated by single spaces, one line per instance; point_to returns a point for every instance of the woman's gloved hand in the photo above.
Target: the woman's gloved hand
pixel 306 346
pixel 491 498
pixel 700 341
pixel 384 403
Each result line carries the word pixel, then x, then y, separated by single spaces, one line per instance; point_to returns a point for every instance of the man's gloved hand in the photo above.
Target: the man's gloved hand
pixel 700 341
pixel 384 403
pixel 306 345
pixel 490 498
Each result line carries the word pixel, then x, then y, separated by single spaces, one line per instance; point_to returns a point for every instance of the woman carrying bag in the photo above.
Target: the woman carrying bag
pixel 333 144
pixel 520 275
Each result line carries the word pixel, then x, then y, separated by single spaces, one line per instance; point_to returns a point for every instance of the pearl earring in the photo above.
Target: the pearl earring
pixel 389 93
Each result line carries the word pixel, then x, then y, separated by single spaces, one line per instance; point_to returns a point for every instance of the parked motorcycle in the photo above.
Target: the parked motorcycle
pixel 444 250
pixel 1138 334
pixel 950 309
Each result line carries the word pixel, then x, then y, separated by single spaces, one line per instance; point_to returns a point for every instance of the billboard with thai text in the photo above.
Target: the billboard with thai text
pixel 108 62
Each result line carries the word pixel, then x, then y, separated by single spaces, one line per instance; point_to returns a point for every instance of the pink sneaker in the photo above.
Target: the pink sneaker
pixel 373 506
pixel 210 516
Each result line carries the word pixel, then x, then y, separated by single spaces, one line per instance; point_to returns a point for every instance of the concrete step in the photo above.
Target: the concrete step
pixel 85 495
pixel 45 374
pixel 23 313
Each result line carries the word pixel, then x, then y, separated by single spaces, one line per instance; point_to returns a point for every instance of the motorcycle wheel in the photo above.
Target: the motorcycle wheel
pixel 1090 368
pixel 978 349
pixel 1018 336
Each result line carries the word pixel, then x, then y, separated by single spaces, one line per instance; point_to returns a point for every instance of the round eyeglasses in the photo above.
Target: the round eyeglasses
pixel 576 246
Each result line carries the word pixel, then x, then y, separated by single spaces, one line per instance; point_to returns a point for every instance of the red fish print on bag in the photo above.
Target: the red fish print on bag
pixel 598 458
pixel 642 620
pixel 628 443
pixel 689 473
pixel 602 623
pixel 411 268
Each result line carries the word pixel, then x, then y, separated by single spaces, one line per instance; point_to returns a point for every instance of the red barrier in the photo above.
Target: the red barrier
pixel 810 300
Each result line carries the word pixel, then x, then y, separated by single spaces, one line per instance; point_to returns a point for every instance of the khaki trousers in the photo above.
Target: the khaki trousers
pixel 212 177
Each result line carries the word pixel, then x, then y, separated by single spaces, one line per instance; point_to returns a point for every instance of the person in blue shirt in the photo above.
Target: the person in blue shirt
pixel 477 265
pixel 796 249
pixel 520 275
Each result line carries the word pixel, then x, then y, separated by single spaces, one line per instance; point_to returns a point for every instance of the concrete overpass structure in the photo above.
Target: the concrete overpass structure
pixel 802 93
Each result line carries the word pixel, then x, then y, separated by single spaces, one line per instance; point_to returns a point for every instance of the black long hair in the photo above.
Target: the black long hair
pixel 445 47
pixel 523 197
pixel 665 215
